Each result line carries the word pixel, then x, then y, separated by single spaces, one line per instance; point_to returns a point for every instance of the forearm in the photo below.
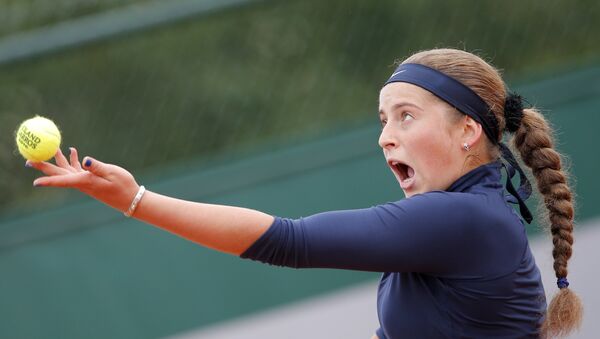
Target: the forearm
pixel 223 228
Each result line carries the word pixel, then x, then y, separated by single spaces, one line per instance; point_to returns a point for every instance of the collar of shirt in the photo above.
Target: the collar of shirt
pixel 487 175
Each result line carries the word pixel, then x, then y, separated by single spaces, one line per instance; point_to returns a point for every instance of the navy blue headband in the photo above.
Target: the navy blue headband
pixel 451 91
pixel 468 102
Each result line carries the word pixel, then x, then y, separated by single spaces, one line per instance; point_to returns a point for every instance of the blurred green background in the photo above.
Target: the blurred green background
pixel 266 104
pixel 276 71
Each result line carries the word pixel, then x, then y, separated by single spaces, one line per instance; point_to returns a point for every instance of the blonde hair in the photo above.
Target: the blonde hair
pixel 534 142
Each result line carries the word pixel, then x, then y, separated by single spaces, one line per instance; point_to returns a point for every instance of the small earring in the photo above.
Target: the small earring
pixel 466 147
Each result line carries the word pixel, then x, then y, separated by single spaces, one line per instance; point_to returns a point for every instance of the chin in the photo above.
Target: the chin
pixel 409 193
pixel 414 191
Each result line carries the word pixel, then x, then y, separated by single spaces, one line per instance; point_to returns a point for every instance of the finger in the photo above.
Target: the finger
pixel 60 159
pixel 73 180
pixel 74 159
pixel 97 167
pixel 46 168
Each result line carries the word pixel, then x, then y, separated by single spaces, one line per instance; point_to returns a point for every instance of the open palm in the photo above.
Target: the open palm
pixel 110 184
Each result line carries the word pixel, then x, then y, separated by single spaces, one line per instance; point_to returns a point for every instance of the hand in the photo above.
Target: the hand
pixel 107 183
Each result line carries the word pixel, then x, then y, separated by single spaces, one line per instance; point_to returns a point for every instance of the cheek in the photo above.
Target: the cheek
pixel 435 154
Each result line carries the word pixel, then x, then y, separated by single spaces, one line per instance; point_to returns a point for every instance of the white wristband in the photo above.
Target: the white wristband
pixel 135 202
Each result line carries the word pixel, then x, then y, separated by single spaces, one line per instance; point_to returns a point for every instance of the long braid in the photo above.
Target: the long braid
pixel 534 141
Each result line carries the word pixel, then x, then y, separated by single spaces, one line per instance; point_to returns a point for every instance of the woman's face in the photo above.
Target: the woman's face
pixel 421 138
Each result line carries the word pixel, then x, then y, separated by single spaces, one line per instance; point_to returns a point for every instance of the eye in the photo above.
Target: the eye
pixel 406 116
pixel 383 122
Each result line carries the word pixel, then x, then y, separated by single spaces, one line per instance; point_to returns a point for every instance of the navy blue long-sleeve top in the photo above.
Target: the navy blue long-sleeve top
pixel 456 263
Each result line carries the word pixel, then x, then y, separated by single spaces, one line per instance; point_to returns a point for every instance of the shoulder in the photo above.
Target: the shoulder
pixel 453 207
pixel 484 221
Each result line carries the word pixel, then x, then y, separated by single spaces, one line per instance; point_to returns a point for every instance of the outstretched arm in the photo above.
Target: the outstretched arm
pixel 223 228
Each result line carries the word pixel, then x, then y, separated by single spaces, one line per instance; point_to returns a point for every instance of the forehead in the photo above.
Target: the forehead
pixel 396 92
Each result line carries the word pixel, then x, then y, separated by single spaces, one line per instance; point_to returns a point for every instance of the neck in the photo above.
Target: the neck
pixel 474 160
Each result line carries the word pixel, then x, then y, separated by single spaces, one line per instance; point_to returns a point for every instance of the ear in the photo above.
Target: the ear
pixel 472 131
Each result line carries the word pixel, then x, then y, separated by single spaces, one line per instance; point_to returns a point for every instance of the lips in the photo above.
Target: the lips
pixel 404 173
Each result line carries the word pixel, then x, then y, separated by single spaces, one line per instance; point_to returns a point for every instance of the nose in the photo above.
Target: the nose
pixel 386 139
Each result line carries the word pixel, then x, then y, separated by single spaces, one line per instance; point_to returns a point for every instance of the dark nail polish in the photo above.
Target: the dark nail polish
pixel 36 184
pixel 28 164
pixel 88 163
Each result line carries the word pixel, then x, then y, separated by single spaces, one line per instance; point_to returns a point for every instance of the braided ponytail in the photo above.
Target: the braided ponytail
pixel 533 140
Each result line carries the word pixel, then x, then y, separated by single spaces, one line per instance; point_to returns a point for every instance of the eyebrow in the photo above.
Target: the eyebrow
pixel 401 104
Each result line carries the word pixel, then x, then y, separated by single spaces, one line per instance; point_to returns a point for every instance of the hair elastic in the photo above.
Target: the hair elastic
pixel 562 282
pixel 513 111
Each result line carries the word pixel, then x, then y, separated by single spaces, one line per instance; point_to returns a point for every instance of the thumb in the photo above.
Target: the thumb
pixel 97 167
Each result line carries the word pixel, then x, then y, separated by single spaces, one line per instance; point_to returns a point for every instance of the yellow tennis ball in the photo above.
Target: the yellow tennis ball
pixel 38 139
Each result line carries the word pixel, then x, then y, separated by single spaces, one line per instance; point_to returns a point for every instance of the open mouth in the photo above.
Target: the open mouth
pixel 404 172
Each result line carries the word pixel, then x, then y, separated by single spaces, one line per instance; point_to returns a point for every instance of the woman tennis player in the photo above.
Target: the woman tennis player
pixel 454 254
